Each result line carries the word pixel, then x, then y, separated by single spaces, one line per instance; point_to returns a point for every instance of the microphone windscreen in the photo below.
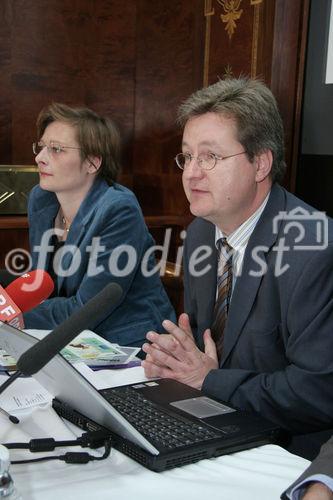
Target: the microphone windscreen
pixel 85 318
pixel 30 289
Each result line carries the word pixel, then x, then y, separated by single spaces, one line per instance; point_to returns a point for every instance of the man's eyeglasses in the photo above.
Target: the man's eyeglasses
pixel 54 148
pixel 206 161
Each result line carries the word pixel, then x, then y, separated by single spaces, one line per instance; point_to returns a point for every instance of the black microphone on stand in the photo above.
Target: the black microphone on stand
pixel 87 317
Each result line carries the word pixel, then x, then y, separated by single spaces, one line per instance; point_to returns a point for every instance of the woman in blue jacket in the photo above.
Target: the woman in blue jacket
pixel 86 230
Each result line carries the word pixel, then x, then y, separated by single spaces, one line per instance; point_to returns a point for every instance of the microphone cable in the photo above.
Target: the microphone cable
pixel 93 439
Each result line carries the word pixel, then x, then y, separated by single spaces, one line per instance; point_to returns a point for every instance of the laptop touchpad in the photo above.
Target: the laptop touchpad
pixel 202 407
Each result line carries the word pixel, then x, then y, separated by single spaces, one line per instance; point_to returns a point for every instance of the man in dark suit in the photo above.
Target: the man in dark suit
pixel 316 483
pixel 258 267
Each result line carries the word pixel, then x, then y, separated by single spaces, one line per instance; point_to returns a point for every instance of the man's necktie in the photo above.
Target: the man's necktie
pixel 224 284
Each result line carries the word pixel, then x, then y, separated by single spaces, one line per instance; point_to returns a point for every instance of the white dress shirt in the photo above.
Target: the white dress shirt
pixel 298 491
pixel 239 239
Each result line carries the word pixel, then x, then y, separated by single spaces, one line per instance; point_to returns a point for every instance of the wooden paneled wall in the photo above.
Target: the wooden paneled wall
pixel 136 61
pixel 132 60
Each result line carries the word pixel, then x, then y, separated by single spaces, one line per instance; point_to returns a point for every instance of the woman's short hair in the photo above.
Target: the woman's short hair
pixel 96 135
pixel 254 108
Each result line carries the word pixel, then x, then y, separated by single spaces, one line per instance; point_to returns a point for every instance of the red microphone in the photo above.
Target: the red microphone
pixel 9 312
pixel 23 294
pixel 30 289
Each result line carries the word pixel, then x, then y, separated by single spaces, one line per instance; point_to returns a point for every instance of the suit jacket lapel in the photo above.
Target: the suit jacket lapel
pixel 207 282
pixel 45 217
pixel 247 284
pixel 79 226
pixel 74 239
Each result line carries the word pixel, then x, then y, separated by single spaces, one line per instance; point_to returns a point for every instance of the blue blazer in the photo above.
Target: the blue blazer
pixel 109 217
pixel 278 341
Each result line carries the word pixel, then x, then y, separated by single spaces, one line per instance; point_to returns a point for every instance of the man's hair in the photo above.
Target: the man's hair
pixel 254 108
pixel 96 135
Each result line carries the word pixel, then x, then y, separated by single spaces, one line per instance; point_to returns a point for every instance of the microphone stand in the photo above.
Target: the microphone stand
pixel 92 313
pixel 12 418
pixel 3 387
pixel 9 381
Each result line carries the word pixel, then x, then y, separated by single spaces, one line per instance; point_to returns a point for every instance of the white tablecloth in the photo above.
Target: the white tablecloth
pixel 258 474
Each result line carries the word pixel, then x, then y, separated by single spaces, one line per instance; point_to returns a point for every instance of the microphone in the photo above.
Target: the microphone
pixel 23 294
pixel 87 317
pixel 12 418
pixel 30 289
pixel 9 312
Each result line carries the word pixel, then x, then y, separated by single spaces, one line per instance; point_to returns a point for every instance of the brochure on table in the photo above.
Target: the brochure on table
pixel 88 348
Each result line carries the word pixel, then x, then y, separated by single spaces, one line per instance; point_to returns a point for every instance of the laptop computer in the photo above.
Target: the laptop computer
pixel 160 423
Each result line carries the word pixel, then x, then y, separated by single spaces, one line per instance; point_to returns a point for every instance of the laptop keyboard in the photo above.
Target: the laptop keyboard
pixel 161 428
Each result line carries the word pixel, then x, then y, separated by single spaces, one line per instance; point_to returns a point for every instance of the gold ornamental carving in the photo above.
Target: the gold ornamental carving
pixel 257 4
pixel 232 14
pixel 228 72
pixel 208 13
